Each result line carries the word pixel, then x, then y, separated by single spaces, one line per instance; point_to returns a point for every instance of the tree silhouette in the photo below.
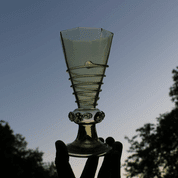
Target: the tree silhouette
pixel 154 150
pixel 174 89
pixel 19 161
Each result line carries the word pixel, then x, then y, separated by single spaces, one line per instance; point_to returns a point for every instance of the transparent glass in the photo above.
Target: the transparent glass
pixel 86 52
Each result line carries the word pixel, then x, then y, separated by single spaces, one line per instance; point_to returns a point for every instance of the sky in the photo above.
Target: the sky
pixel 35 93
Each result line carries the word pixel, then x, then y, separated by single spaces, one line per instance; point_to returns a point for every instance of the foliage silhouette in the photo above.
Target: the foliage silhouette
pixel 154 150
pixel 174 89
pixel 18 160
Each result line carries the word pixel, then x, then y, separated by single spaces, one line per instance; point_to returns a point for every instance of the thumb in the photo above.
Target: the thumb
pixel 62 160
pixel 61 152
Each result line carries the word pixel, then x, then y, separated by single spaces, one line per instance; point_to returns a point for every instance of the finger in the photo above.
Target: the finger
pixel 115 159
pixel 90 167
pixel 62 160
pixel 117 148
pixel 106 165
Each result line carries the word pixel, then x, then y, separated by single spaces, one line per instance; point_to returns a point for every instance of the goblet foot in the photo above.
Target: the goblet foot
pixel 78 149
pixel 87 143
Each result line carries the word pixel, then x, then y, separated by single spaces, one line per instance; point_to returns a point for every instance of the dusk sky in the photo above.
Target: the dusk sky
pixel 35 93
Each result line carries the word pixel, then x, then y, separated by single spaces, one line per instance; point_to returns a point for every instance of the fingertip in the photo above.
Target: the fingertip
pixel 101 139
pixel 117 149
pixel 59 144
pixel 61 148
pixel 110 141
pixel 117 146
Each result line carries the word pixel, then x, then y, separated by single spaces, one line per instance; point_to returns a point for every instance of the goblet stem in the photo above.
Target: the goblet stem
pixel 87 143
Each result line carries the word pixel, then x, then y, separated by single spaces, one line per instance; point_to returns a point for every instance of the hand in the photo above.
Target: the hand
pixel 110 167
